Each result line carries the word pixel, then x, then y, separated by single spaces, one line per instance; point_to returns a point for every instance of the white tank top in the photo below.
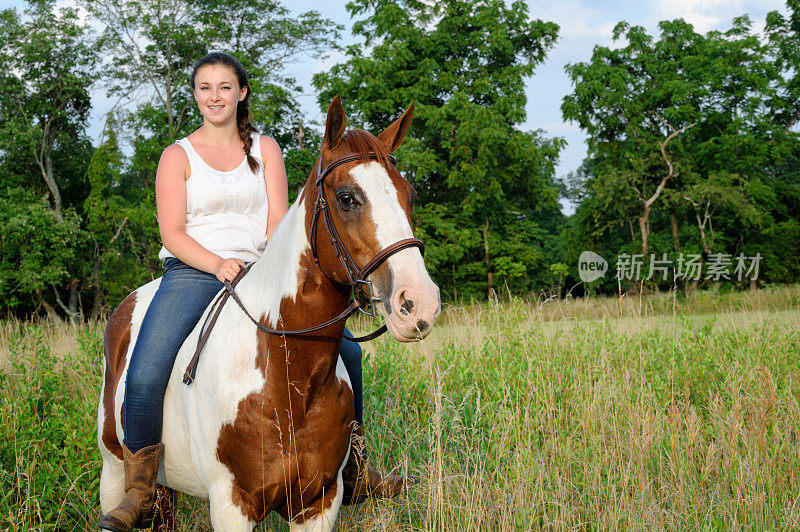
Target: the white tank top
pixel 226 212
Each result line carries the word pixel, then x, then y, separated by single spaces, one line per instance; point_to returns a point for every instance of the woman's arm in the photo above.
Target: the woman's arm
pixel 275 177
pixel 171 206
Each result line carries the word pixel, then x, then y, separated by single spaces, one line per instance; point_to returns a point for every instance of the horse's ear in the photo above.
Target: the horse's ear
pixel 334 124
pixel 393 135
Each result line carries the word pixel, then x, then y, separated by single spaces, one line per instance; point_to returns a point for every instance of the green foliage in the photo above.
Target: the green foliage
pixel 483 184
pixel 152 47
pixel 686 406
pixel 693 137
pixel 124 234
pixel 783 33
pixel 94 236
pixel 49 464
pixel 37 250
pixel 689 142
pixel 46 68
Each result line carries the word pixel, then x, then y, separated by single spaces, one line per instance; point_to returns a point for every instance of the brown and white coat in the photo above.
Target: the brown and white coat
pixel 266 425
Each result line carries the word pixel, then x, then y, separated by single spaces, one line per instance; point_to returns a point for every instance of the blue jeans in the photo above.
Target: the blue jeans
pixel 177 306
pixel 351 356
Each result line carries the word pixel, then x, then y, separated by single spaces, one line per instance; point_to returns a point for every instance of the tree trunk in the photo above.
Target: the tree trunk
pixel 643 226
pixel 706 247
pixel 46 166
pixel 701 224
pixel 72 308
pixel 300 135
pixel 97 304
pixel 676 241
pixel 75 313
pixel 486 260
pixel 48 308
pixel 630 226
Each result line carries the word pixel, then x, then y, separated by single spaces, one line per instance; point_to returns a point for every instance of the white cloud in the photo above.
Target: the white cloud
pixel 707 15
pixel 580 26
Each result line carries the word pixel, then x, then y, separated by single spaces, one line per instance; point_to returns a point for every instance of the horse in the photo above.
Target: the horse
pixel 266 423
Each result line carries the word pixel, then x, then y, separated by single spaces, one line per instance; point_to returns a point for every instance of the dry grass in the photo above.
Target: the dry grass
pixel 654 413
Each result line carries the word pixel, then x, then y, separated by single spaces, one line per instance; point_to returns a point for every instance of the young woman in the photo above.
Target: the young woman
pixel 216 212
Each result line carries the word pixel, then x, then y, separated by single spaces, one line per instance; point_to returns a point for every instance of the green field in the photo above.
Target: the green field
pixel 608 413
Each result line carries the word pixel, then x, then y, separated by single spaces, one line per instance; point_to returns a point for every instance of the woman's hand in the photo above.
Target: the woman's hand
pixel 227 269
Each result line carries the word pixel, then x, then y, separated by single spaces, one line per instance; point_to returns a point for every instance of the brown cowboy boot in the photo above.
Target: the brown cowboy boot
pixel 361 480
pixel 136 508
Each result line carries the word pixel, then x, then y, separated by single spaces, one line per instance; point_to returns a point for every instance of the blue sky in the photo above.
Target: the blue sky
pixel 583 23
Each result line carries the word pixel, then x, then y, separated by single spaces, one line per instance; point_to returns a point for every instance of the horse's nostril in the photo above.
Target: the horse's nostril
pixel 405 305
pixel 422 325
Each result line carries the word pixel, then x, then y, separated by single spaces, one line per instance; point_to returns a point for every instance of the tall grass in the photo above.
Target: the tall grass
pixel 659 412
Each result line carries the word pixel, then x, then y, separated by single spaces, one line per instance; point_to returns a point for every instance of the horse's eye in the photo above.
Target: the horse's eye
pixel 346 200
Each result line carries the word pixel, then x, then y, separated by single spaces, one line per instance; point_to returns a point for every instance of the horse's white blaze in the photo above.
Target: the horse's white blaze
pixel 407 267
pixel 390 219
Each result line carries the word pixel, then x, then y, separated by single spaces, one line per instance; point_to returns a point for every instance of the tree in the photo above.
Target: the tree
pixel 484 185
pixel 783 35
pixel 636 103
pixel 46 70
pixel 784 176
pixel 705 107
pixel 150 48
pixel 152 45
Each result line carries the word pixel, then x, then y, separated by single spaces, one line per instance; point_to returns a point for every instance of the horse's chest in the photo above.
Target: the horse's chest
pixel 283 444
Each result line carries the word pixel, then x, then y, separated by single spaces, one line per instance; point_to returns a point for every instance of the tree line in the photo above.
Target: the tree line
pixel 692 138
pixel 693 147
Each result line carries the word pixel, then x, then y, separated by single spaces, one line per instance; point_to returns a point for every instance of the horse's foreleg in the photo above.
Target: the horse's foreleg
pixel 225 515
pixel 324 520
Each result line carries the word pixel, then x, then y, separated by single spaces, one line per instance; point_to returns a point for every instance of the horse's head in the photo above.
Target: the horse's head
pixel 370 206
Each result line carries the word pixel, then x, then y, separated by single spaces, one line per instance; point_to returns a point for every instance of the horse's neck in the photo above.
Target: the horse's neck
pixel 287 270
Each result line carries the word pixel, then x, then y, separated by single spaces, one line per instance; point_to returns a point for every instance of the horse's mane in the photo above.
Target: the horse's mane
pixel 363 144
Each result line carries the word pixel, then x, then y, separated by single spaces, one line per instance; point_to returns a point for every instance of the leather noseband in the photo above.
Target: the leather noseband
pixel 357 277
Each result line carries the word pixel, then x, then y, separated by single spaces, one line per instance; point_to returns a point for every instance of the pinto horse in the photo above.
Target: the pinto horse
pixel 266 424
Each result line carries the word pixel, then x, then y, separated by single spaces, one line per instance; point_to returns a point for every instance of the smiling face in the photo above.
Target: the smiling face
pixel 217 92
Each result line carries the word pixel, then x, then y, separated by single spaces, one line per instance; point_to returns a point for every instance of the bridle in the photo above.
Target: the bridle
pixel 362 289
pixel 362 293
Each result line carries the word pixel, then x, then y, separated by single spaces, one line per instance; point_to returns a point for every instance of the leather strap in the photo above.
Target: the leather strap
pixel 211 319
pixel 191 369
pixel 386 252
pixel 356 276
pixel 343 315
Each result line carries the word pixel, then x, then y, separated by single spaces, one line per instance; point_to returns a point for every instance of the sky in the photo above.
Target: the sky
pixel 583 25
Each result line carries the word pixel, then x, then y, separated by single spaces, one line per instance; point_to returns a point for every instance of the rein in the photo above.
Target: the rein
pixel 357 276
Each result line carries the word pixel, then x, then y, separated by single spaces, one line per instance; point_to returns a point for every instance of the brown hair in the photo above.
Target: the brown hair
pixel 244 117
